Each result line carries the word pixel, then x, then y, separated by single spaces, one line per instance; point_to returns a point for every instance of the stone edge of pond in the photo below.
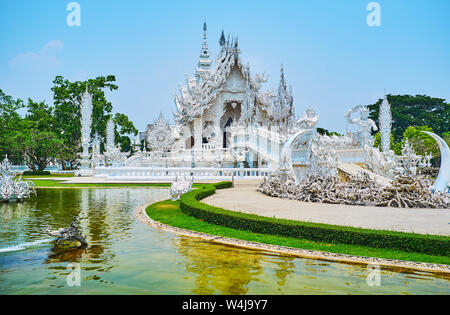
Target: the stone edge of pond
pixel 141 214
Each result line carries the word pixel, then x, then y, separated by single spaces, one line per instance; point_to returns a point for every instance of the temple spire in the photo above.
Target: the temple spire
pixel 204 63
pixel 282 78
pixel 222 40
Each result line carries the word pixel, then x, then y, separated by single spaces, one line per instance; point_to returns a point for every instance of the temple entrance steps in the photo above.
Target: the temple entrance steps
pixel 263 153
pixel 260 143
pixel 353 169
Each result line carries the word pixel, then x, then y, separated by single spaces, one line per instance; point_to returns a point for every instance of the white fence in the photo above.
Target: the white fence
pixel 150 172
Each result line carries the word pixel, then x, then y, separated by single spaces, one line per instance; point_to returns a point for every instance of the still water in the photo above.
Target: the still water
pixel 127 257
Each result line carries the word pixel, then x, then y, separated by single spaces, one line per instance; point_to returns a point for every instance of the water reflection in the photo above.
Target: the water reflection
pixel 226 270
pixel 125 256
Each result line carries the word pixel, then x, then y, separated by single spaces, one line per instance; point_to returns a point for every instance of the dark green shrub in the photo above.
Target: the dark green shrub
pixel 408 242
pixel 223 185
pixel 36 173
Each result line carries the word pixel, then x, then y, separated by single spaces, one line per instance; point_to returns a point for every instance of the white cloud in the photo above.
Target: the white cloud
pixel 45 57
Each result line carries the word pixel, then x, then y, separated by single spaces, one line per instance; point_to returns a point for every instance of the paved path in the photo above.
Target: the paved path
pixel 245 198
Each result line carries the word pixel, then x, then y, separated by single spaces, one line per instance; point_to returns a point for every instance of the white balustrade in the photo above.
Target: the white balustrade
pixel 172 172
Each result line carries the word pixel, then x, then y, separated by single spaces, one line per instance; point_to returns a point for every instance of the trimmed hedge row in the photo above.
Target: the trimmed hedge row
pixel 35 173
pixel 408 242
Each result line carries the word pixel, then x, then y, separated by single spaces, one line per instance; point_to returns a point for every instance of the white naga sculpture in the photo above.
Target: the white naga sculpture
pixel 286 153
pixel 364 123
pixel 180 187
pixel 385 119
pixel 13 189
pixel 442 183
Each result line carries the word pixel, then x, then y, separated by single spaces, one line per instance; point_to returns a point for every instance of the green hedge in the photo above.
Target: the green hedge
pixel 36 173
pixel 408 242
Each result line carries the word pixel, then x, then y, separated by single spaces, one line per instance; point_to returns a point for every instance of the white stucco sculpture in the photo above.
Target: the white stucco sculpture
pixel 381 163
pixel 364 123
pixel 113 155
pixel 86 128
pixel 13 189
pixel 385 120
pixel 442 183
pixel 180 187
pixel 309 119
pixel 286 152
pixel 160 136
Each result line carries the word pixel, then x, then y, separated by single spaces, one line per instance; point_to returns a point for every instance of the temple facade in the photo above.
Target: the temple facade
pixel 225 119
pixel 225 93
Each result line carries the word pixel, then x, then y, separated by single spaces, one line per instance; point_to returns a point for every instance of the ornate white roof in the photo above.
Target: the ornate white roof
pixel 200 93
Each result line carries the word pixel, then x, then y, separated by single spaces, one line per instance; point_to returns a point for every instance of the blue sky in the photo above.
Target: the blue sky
pixel 333 59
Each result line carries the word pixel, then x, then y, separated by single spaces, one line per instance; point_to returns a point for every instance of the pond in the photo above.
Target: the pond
pixel 126 256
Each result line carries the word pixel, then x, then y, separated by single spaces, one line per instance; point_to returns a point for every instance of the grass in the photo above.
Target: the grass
pixel 407 242
pixel 169 212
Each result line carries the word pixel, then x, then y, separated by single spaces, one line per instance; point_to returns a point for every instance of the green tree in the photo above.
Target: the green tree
pixel 10 121
pixel 419 110
pixel 36 138
pixel 421 142
pixel 446 137
pixel 124 128
pixel 67 100
pixel 325 132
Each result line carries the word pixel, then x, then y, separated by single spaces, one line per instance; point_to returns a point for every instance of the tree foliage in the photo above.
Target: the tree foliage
pixel 325 132
pixel 419 110
pixel 421 142
pixel 52 133
pixel 35 137
pixel 67 100
pixel 9 124
pixel 124 127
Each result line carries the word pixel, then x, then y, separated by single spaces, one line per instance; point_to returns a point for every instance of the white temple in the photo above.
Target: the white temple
pixel 216 105
pixel 225 125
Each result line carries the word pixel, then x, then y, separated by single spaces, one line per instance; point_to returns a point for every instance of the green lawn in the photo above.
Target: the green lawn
pixel 169 212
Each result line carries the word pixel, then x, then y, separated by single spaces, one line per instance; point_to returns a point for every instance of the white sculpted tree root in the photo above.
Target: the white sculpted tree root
pixel 405 192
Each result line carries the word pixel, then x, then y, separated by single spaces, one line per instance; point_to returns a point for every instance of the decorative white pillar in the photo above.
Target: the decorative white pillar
pixel 198 132
pixel 110 136
pixel 218 132
pixel 86 127
pixel 385 120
